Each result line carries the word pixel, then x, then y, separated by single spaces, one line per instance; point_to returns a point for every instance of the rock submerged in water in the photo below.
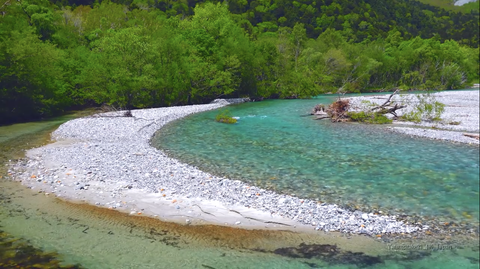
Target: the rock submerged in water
pixel 328 253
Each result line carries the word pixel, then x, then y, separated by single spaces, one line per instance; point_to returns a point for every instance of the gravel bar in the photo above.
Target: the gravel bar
pixel 107 160
pixel 461 115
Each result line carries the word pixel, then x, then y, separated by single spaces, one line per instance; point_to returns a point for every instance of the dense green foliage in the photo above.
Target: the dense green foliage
pixel 358 19
pixel 162 53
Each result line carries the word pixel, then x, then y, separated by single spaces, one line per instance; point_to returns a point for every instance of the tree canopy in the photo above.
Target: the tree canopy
pixel 59 55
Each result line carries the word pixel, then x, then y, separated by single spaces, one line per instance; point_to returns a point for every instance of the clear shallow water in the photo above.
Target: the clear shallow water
pixel 100 238
pixel 350 164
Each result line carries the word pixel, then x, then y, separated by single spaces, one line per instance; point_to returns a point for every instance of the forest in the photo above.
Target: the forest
pixel 61 55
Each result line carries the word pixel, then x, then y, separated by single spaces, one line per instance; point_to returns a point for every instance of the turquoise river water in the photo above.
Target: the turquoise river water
pixel 354 165
pixel 271 146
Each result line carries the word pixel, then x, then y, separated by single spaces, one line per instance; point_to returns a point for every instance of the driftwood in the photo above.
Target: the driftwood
pixel 126 114
pixel 476 136
pixel 318 109
pixel 121 114
pixel 386 102
pixel 392 110
pixel 387 108
pixel 320 112
pixel 321 117
pixel 338 110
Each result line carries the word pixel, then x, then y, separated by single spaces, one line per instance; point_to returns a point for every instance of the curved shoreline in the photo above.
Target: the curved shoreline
pixel 108 161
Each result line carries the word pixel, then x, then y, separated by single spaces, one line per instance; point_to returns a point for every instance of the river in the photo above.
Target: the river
pixel 64 233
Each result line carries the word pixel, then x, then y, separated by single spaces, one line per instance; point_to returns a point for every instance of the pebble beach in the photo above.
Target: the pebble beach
pixel 107 160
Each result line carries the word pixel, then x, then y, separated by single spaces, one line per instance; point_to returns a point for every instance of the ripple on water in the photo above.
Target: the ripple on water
pixel 102 238
pixel 273 147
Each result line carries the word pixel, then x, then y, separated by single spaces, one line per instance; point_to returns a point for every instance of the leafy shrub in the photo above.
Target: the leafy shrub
pixel 425 108
pixel 381 119
pixel 372 118
pixel 358 116
pixel 225 117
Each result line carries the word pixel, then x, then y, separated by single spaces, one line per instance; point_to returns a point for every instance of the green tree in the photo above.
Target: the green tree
pixel 121 69
pixel 31 80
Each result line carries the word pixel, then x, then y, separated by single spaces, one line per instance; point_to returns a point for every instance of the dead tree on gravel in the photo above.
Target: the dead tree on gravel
pixel 389 107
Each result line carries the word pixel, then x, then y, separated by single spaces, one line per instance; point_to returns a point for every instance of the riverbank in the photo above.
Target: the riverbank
pixel 79 233
pixel 107 161
pixel 461 116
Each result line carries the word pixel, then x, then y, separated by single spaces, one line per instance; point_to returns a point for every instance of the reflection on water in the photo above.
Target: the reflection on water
pixel 101 238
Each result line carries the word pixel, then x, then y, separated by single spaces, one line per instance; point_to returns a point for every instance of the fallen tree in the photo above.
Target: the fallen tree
pixel 389 107
pixel 476 136
pixel 422 107
pixel 339 111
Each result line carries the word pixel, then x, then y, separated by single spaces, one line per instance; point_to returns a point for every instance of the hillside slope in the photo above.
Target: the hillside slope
pixel 359 19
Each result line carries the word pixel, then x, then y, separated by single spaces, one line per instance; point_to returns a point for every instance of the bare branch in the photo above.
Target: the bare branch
pixel 387 103
pixel 4 4
pixel 472 135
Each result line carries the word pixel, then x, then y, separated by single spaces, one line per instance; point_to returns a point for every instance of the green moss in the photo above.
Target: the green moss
pixel 371 118
pixel 225 117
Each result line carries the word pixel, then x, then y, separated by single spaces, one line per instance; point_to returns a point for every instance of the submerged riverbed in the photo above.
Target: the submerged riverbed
pixel 353 165
pixel 101 238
